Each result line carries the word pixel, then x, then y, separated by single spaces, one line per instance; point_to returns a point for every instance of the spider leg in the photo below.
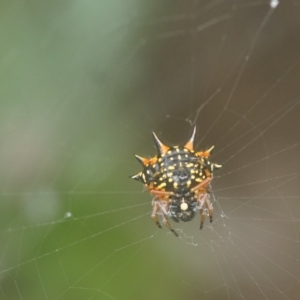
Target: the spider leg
pixel 204 202
pixel 161 206
pixel 202 219
pixel 154 213
pixel 202 184
pixel 209 207
pixel 166 222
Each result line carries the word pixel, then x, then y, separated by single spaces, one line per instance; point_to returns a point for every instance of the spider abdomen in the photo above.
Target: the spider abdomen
pixel 178 170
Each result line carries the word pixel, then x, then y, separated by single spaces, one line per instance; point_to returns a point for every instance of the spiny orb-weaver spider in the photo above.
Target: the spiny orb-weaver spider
pixel 179 179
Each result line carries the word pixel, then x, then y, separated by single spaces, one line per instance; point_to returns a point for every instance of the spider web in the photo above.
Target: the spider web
pixel 83 85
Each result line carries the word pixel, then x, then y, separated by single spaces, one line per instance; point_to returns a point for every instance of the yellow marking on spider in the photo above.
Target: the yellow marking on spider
pixel 175 185
pixel 161 185
pixel 155 174
pixel 171 167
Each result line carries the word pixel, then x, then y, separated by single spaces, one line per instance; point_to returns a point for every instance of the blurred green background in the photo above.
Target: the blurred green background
pixel 83 84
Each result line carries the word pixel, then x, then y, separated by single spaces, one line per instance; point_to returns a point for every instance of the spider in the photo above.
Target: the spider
pixel 179 179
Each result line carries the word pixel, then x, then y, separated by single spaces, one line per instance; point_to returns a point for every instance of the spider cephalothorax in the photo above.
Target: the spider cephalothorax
pixel 178 177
